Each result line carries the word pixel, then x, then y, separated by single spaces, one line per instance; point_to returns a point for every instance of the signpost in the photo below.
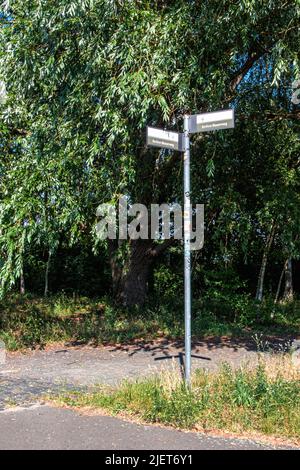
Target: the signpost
pixel 187 251
pixel 164 139
pixel 176 141
pixel 212 121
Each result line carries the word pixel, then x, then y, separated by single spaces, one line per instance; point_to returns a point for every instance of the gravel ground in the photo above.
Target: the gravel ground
pixel 27 423
pixel 25 377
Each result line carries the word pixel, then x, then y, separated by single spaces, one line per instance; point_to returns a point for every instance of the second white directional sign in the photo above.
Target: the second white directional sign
pixel 164 139
pixel 212 121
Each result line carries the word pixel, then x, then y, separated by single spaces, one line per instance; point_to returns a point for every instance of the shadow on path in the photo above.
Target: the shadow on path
pixel 167 346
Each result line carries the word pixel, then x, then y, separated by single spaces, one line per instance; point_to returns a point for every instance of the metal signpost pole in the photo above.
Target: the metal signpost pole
pixel 187 250
pixel 161 138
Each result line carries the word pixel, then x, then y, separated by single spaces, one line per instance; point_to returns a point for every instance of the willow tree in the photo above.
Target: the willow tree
pixel 87 76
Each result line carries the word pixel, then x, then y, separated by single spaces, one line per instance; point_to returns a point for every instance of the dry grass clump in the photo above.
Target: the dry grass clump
pixel 262 398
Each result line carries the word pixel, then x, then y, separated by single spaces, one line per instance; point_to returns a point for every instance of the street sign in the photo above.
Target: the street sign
pixel 172 140
pixel 165 139
pixel 212 121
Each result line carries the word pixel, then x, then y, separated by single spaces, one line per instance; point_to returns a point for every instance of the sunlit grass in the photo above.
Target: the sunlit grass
pixel 30 321
pixel 263 399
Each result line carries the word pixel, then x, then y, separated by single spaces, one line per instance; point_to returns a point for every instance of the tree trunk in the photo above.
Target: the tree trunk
pixel 134 285
pixel 116 269
pixel 288 288
pixel 46 291
pixel 22 283
pixel 280 282
pixel 262 272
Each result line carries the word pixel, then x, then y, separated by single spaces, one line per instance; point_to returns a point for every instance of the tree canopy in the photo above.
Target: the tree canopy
pixel 84 78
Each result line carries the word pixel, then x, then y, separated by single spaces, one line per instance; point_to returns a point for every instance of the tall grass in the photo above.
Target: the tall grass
pixel 263 399
pixel 30 322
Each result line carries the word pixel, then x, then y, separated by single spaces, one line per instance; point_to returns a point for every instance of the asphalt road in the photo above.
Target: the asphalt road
pixel 42 427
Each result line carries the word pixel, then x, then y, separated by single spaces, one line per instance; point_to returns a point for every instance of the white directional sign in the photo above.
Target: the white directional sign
pixel 164 139
pixel 212 121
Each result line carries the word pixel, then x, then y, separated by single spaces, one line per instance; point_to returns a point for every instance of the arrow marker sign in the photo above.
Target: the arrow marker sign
pixel 164 139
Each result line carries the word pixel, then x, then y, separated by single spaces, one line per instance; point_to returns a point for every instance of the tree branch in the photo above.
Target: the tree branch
pixel 156 250
pixel 252 58
pixel 270 116
pixel 18 132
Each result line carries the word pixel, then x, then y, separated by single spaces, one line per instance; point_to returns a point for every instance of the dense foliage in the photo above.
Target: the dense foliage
pixel 83 80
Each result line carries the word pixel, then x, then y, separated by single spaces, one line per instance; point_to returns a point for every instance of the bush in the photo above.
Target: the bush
pixel 27 321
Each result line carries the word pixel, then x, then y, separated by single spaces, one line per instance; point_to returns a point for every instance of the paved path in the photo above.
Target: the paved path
pixel 43 427
pixel 25 377
pixel 26 423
